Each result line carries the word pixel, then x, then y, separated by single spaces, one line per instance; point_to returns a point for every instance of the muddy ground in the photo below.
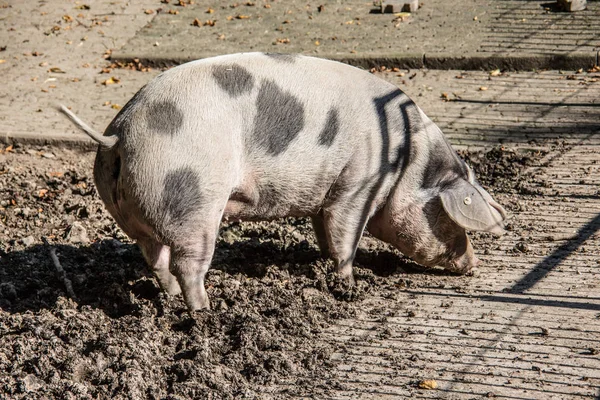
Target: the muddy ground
pixel 103 329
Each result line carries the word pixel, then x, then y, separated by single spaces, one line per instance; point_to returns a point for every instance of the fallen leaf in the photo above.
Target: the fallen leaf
pixel 149 12
pixel 173 12
pixel 210 11
pixel 115 106
pixel 284 40
pixel 196 22
pixel 111 80
pixel 8 148
pixel 42 192
pixel 83 7
pixel 445 96
pixel 2 61
pixel 56 70
pixel 495 72
pixel 210 22
pixel 229 18
pixel 67 18
pixel 242 16
pixel 483 88
pixel 317 43
pixel 267 6
pixel 428 384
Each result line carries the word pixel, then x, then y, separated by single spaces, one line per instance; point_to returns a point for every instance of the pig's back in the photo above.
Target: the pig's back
pixel 276 129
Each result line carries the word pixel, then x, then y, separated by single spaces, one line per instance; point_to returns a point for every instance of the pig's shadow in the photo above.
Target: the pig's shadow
pixel 107 274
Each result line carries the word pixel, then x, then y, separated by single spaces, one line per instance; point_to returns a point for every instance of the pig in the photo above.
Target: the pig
pixel 261 136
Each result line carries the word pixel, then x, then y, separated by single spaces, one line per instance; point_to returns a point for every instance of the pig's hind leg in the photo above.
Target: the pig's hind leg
pixel 190 260
pixel 158 257
pixel 318 223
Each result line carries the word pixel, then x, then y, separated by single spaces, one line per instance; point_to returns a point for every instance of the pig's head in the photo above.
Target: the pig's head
pixel 426 217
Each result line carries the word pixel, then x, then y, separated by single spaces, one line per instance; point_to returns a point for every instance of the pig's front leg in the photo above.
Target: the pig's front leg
pixel 344 223
pixel 158 257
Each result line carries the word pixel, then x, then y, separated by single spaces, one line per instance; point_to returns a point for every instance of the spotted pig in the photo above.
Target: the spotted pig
pixel 262 136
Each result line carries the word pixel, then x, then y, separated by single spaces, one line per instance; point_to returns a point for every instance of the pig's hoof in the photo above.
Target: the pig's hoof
pixel 171 286
pixel 197 303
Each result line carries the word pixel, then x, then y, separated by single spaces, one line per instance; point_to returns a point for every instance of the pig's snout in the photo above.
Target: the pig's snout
pixel 465 262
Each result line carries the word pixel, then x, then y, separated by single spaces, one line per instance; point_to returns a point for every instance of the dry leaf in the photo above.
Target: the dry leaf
pixel 42 192
pixel 267 6
pixel 284 40
pixel 429 384
pixel 483 88
pixel 317 43
pixel 229 18
pixel 445 96
pixel 495 72
pixel 83 7
pixel 173 12
pixel 196 22
pixel 56 70
pixel 210 11
pixel 111 80
pixel 149 12
pixel 67 18
pixel 210 22
pixel 242 16
pixel 115 106
pixel 2 61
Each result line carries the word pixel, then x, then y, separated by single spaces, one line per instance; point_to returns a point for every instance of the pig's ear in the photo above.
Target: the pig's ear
pixel 470 206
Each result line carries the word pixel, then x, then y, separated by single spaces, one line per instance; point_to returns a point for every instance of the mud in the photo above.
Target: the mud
pixel 116 335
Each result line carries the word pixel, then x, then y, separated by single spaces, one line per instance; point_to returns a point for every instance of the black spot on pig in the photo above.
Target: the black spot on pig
pixel 164 118
pixel 286 58
pixel 234 79
pixel 181 197
pixel 331 128
pixel 443 166
pixel 279 118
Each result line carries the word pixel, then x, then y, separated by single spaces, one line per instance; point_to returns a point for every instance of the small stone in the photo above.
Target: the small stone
pixel 298 236
pixel 48 155
pixel 28 241
pixel 522 247
pixel 77 234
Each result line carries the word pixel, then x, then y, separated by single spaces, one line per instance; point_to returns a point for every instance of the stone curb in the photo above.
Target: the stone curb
pixel 76 142
pixel 507 61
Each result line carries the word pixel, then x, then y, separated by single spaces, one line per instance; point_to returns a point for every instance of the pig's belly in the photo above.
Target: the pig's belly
pixel 268 202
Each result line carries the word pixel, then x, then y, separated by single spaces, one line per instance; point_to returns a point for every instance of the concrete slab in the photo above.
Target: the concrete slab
pixel 472 34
